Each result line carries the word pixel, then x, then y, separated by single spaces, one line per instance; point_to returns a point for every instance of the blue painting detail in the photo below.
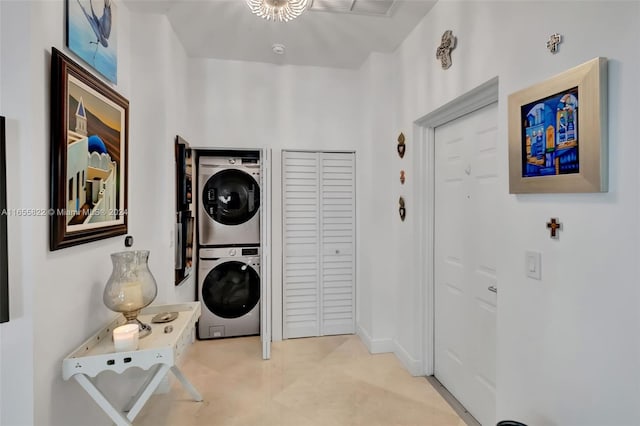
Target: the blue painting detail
pixel 550 135
pixel 97 145
pixel 92 35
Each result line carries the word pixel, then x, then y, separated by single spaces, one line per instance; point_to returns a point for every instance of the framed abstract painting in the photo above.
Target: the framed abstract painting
pixel 558 133
pixel 89 141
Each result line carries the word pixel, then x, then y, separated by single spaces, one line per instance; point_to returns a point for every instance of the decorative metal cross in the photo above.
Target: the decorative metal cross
pixel 553 43
pixel 554 226
pixel 443 52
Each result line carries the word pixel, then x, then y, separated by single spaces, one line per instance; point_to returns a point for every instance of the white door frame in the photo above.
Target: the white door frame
pixel 424 131
pixel 265 254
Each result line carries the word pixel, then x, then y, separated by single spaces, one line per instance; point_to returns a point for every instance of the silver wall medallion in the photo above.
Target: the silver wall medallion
pixel 443 53
pixel 554 42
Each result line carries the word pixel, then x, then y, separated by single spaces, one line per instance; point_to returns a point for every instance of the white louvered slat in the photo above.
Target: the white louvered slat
pixel 336 227
pixel 300 195
pixel 303 233
pixel 337 299
pixel 300 299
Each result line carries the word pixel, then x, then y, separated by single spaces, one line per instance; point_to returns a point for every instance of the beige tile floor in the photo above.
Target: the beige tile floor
pixel 324 381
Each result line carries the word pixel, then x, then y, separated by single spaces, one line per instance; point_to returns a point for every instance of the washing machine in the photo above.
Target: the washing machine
pixel 229 201
pixel 229 291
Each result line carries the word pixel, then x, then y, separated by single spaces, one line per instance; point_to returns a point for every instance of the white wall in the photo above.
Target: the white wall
pixel 56 297
pixel 257 105
pixel 16 370
pixel 568 346
pixel 375 293
pixel 159 96
pixel 250 104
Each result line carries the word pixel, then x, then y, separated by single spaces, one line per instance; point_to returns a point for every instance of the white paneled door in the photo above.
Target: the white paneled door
pixel 318 243
pixel 300 244
pixel 337 230
pixel 466 185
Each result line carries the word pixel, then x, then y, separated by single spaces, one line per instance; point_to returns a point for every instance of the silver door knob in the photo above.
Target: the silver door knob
pixel 493 288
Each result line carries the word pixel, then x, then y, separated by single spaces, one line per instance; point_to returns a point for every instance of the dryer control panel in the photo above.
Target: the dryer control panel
pixel 228 252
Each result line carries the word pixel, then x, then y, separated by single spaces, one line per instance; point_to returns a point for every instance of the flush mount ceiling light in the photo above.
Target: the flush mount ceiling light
pixel 278 10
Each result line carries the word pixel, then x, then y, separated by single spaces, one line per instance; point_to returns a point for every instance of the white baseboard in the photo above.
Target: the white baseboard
pixel 379 346
pixel 413 366
pixel 375 346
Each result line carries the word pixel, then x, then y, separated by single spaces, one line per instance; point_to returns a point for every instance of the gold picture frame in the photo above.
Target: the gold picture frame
pixel 558 133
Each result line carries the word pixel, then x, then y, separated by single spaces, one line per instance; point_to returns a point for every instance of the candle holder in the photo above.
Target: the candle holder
pixel 131 287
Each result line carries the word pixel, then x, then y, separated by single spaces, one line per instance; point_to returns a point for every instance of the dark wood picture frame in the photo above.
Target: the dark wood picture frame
pixel 89 142
pixel 4 260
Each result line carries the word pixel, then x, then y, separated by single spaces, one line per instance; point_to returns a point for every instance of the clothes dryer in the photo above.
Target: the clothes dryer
pixel 229 291
pixel 229 201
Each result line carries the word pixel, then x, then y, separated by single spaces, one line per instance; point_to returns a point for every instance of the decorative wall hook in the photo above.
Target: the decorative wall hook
pixel 402 177
pixel 443 53
pixel 401 210
pixel 554 42
pixel 401 146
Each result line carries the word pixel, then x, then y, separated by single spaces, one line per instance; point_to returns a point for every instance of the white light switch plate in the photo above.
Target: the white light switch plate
pixel 533 264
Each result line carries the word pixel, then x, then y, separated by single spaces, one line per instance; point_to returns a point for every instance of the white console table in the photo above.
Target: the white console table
pixel 157 353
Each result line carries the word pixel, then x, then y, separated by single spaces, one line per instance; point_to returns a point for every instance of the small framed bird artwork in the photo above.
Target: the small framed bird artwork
pixel 92 34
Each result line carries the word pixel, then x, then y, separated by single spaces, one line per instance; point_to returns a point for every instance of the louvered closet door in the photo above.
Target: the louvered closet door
pixel 337 230
pixel 301 244
pixel 318 243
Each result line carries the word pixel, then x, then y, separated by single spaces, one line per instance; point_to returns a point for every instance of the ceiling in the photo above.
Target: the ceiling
pixel 333 37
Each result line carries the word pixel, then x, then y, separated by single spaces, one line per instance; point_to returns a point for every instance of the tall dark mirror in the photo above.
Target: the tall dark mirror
pixel 184 211
pixel 4 262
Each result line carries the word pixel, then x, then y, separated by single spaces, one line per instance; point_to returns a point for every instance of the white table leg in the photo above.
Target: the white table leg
pixel 101 400
pixel 186 383
pixel 147 389
pixel 150 375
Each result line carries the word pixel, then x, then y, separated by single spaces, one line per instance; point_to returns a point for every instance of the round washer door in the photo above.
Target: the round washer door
pixel 231 197
pixel 231 289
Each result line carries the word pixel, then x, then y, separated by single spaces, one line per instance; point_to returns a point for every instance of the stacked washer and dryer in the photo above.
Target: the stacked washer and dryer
pixel 229 245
